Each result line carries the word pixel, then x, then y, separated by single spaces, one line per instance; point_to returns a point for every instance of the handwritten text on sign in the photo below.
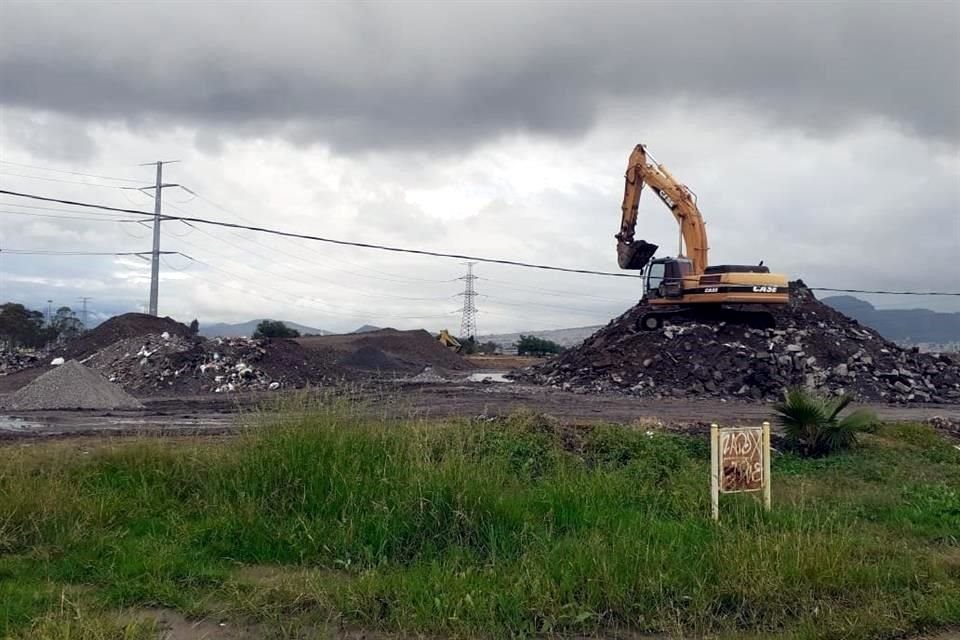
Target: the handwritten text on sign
pixel 741 460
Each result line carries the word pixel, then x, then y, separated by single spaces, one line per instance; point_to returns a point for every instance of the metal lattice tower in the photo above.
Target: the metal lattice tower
pixel 468 322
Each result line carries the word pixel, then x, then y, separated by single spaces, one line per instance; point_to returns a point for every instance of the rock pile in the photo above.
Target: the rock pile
pixel 165 363
pixel 72 386
pixel 120 327
pixel 13 361
pixel 812 345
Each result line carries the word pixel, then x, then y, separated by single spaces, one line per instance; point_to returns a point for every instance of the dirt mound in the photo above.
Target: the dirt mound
pixel 72 386
pixel 171 364
pixel 128 325
pixel 390 350
pixel 371 359
pixel 812 345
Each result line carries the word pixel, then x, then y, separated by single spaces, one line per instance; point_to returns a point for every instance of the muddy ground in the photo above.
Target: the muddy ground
pixel 224 414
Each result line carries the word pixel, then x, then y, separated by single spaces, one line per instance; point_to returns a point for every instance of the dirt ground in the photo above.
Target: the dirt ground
pixel 219 414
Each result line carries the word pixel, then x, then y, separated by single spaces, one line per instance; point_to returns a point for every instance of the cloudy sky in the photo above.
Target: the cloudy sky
pixel 823 138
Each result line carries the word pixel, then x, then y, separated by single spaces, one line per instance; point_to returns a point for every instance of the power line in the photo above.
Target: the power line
pixel 65 217
pixel 49 252
pixel 348 243
pixel 436 254
pixel 889 293
pixel 49 179
pixel 380 274
pixel 74 173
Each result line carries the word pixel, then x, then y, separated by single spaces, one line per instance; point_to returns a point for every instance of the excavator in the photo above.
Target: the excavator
pixel 449 341
pixel 685 287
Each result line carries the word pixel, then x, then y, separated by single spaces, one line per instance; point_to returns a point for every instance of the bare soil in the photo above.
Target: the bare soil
pixel 221 414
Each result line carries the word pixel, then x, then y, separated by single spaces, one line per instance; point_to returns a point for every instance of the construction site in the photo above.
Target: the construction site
pixel 382 321
pixel 704 343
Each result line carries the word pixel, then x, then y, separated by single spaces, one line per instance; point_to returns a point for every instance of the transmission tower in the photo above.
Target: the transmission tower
pixel 468 322
pixel 83 312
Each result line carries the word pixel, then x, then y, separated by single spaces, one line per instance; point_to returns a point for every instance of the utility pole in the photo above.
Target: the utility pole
pixel 155 258
pixel 49 312
pixel 83 311
pixel 468 321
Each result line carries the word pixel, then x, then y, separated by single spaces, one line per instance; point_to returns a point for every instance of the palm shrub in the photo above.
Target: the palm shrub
pixel 813 426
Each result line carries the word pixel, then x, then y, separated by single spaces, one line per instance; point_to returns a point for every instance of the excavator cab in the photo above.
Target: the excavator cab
pixel 665 277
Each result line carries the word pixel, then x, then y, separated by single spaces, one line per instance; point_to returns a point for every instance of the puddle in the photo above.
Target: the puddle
pixel 489 376
pixel 10 423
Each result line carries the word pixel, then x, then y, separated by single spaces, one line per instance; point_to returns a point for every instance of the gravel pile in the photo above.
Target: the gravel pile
pixel 812 345
pixel 72 386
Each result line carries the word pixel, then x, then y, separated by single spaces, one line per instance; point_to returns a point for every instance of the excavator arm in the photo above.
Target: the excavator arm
pixel 635 254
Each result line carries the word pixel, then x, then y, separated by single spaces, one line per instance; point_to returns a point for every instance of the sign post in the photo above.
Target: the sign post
pixel 739 463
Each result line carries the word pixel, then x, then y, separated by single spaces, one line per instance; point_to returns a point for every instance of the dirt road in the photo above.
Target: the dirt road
pixel 218 414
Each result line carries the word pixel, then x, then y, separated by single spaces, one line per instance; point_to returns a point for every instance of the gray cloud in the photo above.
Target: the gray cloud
pixel 426 76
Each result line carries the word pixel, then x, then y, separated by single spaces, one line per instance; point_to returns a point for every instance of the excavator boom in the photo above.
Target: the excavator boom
pixel 635 254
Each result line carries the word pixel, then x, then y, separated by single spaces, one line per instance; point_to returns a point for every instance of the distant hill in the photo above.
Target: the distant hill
pixel 564 337
pixel 901 325
pixel 224 330
pixel 367 328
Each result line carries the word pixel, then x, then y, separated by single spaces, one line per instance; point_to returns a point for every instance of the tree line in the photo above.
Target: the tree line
pixel 21 327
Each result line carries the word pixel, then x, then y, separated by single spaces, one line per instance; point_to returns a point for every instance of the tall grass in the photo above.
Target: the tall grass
pixel 507 527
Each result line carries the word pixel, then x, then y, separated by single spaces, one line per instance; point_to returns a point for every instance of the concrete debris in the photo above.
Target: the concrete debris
pixel 56 362
pixel 13 361
pixel 812 345
pixel 72 386
pixel 170 363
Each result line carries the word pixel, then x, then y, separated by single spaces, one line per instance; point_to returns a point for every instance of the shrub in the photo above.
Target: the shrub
pixel 813 426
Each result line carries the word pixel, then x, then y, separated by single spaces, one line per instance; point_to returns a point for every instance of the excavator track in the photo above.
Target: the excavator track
pixel 753 316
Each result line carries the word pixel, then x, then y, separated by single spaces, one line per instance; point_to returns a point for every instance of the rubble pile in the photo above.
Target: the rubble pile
pixel 165 363
pixel 13 361
pixel 72 386
pixel 812 345
pixel 120 327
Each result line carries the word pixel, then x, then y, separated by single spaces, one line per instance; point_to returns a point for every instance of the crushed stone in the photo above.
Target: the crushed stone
pixel 72 386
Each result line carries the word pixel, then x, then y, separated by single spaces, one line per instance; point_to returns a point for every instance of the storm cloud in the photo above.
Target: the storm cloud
pixel 423 76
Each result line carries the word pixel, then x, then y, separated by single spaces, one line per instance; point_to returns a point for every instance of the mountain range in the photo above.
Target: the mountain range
pixel 239 329
pixel 912 326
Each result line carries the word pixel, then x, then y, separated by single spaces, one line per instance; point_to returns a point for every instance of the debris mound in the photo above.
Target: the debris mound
pixel 72 386
pixel 120 327
pixel 390 350
pixel 157 364
pixel 812 345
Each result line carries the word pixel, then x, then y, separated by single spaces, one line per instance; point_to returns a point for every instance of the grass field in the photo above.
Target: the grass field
pixel 322 518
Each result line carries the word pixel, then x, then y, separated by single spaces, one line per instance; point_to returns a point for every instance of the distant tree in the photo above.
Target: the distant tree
pixel 22 327
pixel 534 346
pixel 274 329
pixel 489 347
pixel 195 327
pixel 468 345
pixel 66 324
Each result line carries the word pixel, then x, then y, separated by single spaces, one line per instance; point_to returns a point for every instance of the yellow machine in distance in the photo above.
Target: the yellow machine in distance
pixel 449 341
pixel 686 285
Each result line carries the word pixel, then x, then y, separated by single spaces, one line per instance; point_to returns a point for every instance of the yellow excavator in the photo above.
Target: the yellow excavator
pixel 449 341
pixel 685 286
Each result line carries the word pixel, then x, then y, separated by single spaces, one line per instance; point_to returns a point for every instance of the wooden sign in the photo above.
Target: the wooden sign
pixel 740 462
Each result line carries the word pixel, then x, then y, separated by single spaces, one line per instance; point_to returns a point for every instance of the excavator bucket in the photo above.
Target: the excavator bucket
pixel 635 254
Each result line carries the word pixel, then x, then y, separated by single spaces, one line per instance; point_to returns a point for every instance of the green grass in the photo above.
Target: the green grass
pixel 468 528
